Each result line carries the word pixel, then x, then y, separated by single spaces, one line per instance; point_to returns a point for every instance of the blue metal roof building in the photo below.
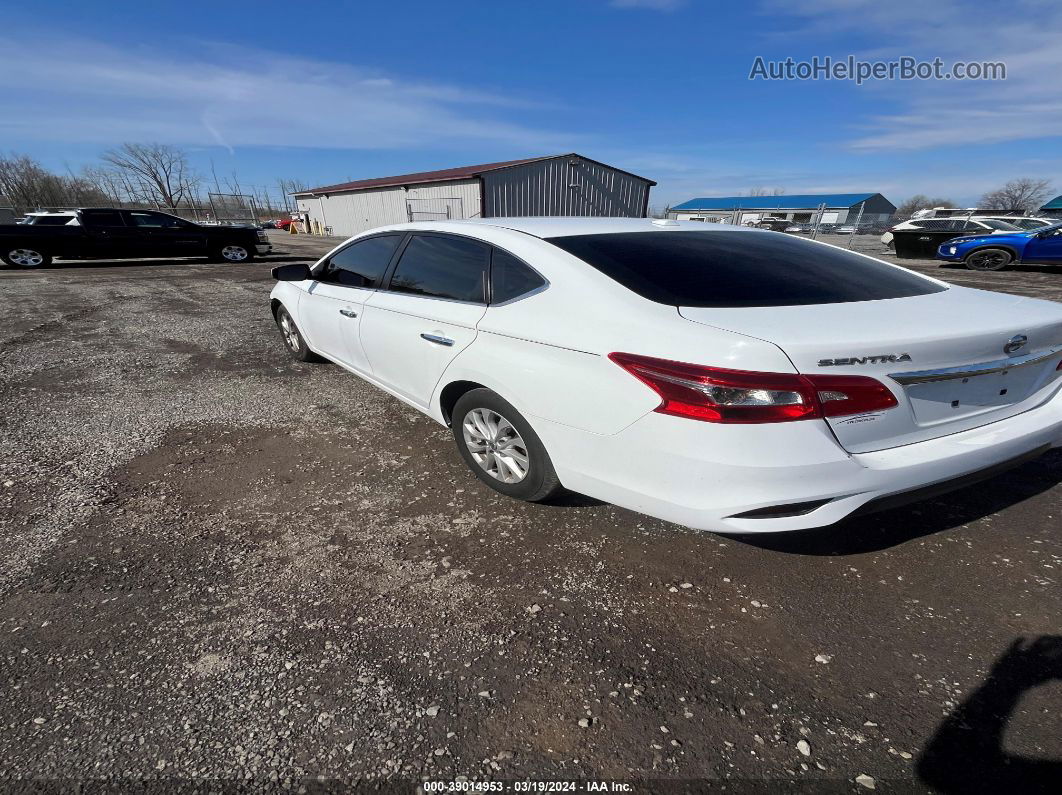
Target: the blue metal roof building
pixel 839 207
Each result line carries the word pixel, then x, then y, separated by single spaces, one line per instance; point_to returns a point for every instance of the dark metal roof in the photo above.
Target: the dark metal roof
pixel 1054 204
pixel 794 202
pixel 443 175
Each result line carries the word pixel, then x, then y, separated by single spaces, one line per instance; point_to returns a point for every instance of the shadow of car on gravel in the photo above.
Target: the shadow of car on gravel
pixel 967 754
pixel 878 531
pixel 150 263
pixel 1046 269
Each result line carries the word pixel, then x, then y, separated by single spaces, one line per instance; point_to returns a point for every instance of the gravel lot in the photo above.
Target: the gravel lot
pixel 222 564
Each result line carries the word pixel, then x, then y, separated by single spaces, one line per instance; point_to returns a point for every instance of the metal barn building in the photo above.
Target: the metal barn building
pixel 1053 209
pixel 801 208
pixel 558 185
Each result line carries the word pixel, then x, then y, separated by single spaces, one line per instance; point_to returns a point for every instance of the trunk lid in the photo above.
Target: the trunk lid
pixel 966 331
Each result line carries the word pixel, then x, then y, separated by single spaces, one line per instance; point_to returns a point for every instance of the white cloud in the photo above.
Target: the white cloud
pixel 86 92
pixel 933 114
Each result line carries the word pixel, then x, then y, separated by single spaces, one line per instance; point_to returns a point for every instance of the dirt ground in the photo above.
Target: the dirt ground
pixel 223 566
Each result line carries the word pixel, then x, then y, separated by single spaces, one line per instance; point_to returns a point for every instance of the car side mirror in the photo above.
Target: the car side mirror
pixel 296 272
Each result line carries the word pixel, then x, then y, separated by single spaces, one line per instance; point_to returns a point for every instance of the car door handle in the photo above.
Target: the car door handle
pixel 437 339
pixel 348 313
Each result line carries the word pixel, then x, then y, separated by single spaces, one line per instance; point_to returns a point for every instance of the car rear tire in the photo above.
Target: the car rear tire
pixel 234 253
pixel 501 448
pixel 293 339
pixel 988 259
pixel 27 258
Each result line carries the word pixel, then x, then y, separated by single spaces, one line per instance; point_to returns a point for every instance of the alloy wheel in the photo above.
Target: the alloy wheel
pixel 26 257
pixel 495 445
pixel 234 253
pixel 291 334
pixel 988 260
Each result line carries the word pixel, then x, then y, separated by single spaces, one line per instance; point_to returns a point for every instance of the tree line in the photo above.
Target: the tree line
pixel 1024 196
pixel 141 175
pixel 160 176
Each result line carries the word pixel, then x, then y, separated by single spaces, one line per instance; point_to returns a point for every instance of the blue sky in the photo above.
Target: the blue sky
pixel 344 90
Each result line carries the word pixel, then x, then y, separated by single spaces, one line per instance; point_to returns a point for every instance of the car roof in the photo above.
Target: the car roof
pixel 544 227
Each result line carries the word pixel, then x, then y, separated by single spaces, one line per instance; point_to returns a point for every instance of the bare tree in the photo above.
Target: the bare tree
pixel 157 173
pixel 233 184
pixel 288 187
pixel 919 202
pixel 107 182
pixel 765 191
pixel 1025 195
pixel 27 185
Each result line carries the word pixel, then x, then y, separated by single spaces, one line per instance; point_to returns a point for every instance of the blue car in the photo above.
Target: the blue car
pixel 995 252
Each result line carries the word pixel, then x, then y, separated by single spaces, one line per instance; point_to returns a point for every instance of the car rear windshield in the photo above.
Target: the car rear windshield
pixel 753 268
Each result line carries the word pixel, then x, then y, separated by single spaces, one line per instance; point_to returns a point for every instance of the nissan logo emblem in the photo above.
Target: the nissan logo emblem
pixel 1015 343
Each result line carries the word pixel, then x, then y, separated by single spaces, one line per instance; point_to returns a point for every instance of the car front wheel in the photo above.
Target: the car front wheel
pixel 27 258
pixel 988 259
pixel 293 339
pixel 501 448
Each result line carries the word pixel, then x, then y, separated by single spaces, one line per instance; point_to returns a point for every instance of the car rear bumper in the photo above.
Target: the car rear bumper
pixel 780 477
pixel 264 248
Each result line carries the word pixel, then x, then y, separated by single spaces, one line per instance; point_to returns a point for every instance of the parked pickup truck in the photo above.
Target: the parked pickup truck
pixel 122 234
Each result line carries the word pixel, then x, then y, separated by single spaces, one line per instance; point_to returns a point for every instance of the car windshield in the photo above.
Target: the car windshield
pixel 736 269
pixel 1001 225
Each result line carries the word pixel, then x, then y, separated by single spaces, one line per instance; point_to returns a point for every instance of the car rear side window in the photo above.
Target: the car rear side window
pixel 736 268
pixel 437 266
pixel 361 264
pixel 510 278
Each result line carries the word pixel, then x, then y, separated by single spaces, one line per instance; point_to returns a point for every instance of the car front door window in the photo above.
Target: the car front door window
pixel 330 312
pixel 362 263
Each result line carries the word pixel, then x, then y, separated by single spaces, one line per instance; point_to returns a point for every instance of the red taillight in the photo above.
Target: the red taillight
pixel 713 394
pixel 841 395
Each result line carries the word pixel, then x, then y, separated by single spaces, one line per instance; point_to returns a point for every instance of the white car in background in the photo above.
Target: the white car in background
pixel 1028 223
pixel 966 226
pixel 722 378
pixel 52 218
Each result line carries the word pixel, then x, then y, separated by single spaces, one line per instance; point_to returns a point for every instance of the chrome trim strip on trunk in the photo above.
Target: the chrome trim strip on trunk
pixel 968 371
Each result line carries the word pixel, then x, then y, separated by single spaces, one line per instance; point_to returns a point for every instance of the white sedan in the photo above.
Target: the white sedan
pixel 722 378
